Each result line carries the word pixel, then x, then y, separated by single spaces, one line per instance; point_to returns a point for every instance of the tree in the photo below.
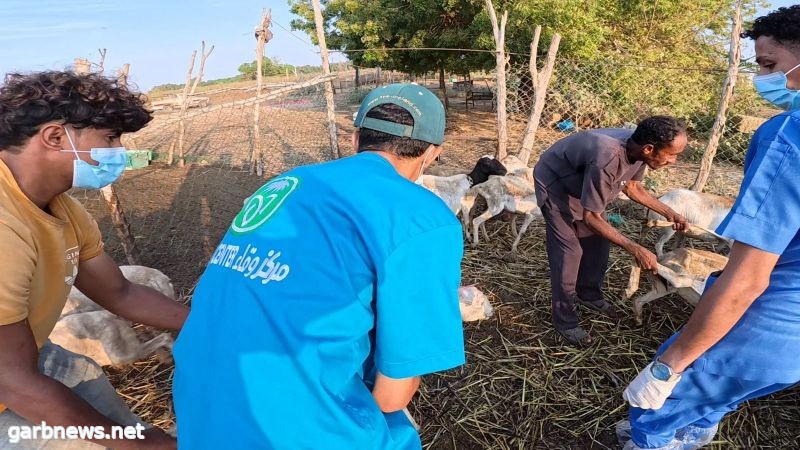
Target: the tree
pixel 269 67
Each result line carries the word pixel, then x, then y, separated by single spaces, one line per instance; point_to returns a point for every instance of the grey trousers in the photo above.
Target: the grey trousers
pixel 578 262
pixel 86 379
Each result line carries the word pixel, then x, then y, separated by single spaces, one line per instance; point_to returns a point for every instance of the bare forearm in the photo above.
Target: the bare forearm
pixel 147 306
pixel 604 229
pixel 642 197
pixel 722 307
pixel 42 399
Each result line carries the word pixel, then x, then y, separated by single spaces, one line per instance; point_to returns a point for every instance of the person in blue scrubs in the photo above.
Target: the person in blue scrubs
pixel 333 291
pixel 742 340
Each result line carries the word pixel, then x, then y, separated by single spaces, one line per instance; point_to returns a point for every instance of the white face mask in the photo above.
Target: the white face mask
pixel 418 180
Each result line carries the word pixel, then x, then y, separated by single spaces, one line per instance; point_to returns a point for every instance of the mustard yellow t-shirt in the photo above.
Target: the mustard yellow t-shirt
pixel 40 254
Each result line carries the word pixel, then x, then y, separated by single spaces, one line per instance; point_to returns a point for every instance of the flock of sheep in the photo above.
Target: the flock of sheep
pixel 88 329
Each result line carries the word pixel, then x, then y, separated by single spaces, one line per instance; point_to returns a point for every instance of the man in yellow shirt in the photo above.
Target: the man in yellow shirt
pixel 60 130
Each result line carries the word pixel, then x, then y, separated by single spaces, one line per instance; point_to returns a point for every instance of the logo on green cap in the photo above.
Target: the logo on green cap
pixel 263 204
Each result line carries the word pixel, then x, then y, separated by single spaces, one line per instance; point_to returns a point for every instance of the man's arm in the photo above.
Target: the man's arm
pixel 744 279
pixel 636 192
pixel 646 259
pixel 101 280
pixel 393 394
pixel 38 398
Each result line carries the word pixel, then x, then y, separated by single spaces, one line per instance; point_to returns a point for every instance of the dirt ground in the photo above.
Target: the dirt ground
pixel 521 387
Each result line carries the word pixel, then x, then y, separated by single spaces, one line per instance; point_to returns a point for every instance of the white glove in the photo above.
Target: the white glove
pixel 647 392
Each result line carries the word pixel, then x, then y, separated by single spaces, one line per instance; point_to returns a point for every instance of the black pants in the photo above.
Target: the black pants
pixel 578 261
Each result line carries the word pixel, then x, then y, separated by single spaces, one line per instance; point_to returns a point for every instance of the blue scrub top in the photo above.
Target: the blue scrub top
pixel 329 273
pixel 764 344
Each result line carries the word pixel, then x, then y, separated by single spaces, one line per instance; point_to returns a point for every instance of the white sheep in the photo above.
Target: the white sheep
pixel 699 208
pixel 452 189
pixel 516 167
pixel 683 271
pixel 474 304
pixel 504 193
pixel 86 328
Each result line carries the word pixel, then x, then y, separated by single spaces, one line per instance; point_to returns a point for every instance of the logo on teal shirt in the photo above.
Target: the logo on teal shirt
pixel 263 204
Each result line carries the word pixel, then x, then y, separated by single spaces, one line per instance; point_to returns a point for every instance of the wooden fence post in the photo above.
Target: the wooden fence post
pixel 182 123
pixel 734 55
pixel 263 34
pixel 326 70
pixel 541 81
pixel 203 57
pixel 499 31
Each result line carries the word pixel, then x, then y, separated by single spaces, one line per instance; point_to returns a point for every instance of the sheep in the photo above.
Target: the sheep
pixel 473 304
pixel 452 189
pixel 683 271
pixel 518 168
pixel 86 328
pixel 504 193
pixel 699 208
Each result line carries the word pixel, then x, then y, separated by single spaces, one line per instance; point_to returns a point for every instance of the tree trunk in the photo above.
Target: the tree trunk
pixel 326 70
pixel 540 83
pixel 499 31
pixel 734 56
pixel 443 88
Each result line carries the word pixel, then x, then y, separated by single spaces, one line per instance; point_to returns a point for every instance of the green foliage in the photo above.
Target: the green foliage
pixel 356 96
pixel 166 87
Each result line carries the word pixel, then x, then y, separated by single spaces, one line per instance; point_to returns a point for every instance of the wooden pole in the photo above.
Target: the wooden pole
pixel 326 70
pixel 499 31
pixel 102 63
pixel 443 87
pixel 121 225
pixel 203 57
pixel 734 56
pixel 118 219
pixel 263 34
pixel 182 122
pixel 122 75
pixel 541 81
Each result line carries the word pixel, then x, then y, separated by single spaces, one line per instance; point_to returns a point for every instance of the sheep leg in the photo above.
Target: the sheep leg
pixel 666 235
pixel 479 221
pixel 525 224
pixel 633 282
pixel 514 225
pixel 654 294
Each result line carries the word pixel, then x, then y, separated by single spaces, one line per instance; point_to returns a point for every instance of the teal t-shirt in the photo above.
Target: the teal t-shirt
pixel 328 273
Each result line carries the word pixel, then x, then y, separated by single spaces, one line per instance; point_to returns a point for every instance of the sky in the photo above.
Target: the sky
pixel 156 37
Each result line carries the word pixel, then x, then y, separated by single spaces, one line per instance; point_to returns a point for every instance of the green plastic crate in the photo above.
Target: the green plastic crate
pixel 138 159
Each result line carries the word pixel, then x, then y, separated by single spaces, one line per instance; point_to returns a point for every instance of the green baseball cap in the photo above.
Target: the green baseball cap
pixel 422 104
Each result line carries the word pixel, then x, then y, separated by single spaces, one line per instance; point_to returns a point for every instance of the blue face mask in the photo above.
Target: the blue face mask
pixel 86 176
pixel 773 88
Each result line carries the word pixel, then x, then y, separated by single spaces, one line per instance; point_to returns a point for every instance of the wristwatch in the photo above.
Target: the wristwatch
pixel 662 371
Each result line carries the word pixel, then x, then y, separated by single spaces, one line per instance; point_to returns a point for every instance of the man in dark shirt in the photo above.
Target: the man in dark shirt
pixel 576 179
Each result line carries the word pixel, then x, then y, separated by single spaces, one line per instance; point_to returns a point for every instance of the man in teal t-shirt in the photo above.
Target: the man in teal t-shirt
pixel 334 290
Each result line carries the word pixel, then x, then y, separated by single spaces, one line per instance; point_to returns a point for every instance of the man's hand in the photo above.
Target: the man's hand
pixel 646 259
pixel 680 223
pixel 647 392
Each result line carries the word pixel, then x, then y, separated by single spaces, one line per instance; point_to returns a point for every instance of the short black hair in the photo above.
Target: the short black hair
pixel 404 147
pixel 658 131
pixel 27 101
pixel 783 25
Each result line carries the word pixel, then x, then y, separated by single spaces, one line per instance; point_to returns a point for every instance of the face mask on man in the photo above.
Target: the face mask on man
pixel 86 176
pixel 418 180
pixel 773 88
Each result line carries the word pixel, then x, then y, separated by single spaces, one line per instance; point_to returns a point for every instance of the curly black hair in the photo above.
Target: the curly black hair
pixel 783 25
pixel 659 131
pixel 27 101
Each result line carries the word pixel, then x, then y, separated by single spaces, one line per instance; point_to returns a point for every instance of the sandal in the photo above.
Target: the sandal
pixel 601 306
pixel 576 336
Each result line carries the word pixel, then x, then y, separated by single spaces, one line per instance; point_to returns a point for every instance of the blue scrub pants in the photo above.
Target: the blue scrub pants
pixel 700 399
